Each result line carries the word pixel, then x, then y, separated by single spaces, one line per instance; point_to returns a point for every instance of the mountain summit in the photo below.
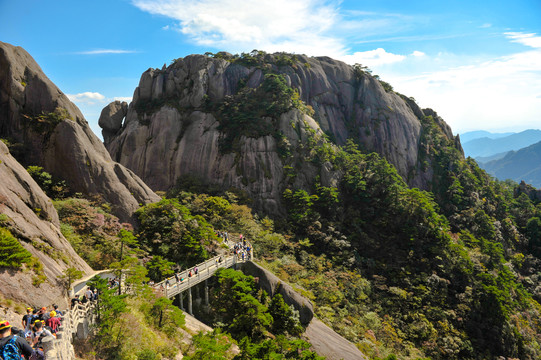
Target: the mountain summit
pixel 243 121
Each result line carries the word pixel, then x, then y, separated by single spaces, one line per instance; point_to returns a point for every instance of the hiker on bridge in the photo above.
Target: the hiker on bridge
pixel 53 322
pixel 12 346
pixel 39 332
pixel 27 320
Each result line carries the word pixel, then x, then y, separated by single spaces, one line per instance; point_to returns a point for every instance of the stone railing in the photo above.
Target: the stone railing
pixel 75 323
pixel 170 287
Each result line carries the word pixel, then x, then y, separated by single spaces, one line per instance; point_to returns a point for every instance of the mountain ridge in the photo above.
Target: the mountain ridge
pixel 340 102
pixel 488 147
pixel 520 165
pixel 472 135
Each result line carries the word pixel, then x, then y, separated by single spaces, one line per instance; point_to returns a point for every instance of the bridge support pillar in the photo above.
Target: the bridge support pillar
pixel 190 301
pixel 181 300
pixel 206 293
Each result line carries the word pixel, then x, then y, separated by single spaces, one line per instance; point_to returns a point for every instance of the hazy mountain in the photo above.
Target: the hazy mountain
pixel 524 164
pixel 488 147
pixel 478 134
pixel 485 159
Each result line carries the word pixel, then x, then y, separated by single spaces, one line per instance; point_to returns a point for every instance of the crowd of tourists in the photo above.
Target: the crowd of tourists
pixel 39 324
pixel 27 341
pixel 242 250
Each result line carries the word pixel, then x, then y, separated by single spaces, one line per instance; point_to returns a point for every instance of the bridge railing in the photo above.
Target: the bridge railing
pixel 78 319
pixel 74 321
pixel 171 287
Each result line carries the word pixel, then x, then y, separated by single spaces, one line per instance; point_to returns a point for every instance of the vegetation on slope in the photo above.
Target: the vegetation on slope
pixel 448 274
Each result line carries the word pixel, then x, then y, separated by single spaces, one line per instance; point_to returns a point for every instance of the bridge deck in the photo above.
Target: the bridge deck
pixel 205 270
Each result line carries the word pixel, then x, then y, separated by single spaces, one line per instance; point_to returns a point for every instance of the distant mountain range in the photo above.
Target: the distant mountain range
pixel 486 159
pixel 486 146
pixel 471 135
pixel 524 164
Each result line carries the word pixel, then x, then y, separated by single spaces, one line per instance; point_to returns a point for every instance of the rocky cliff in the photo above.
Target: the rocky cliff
pixel 45 128
pixel 30 216
pixel 180 116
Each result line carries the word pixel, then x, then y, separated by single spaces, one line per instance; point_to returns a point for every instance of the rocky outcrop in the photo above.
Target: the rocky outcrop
pixel 524 188
pixel 30 216
pixel 325 341
pixel 111 118
pixel 171 123
pixel 50 131
pixel 161 156
pixel 328 343
pixel 272 285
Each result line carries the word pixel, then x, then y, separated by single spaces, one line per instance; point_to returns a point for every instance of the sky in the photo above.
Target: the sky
pixel 477 63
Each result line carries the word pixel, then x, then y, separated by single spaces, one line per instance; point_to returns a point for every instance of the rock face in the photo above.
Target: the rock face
pixel 51 132
pixel 328 343
pixel 169 130
pixel 21 200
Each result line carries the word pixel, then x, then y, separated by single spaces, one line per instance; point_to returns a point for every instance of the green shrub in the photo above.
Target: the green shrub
pixel 12 253
pixel 55 189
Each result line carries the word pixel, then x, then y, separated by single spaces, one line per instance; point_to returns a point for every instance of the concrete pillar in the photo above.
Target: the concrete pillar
pixel 190 301
pixel 206 293
pixel 181 300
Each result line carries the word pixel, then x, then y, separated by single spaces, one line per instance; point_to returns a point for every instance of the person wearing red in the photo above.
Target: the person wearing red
pixel 53 321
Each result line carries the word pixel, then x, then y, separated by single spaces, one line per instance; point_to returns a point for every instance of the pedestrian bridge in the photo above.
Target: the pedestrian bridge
pixel 77 320
pixel 170 287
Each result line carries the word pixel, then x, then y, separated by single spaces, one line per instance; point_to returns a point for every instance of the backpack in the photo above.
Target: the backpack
pixel 10 351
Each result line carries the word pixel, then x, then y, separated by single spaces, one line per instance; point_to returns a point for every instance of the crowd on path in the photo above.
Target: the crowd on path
pixel 27 341
pixel 37 325
pixel 242 250
pixel 89 295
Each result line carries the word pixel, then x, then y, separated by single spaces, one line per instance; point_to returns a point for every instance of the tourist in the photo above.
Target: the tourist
pixel 20 344
pixel 39 332
pixel 27 320
pixel 53 321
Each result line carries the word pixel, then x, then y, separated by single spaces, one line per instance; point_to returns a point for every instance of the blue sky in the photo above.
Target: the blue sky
pixel 477 63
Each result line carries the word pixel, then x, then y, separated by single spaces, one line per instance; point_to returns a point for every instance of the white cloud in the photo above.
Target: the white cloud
pixel 123 98
pixel 299 26
pixel 485 94
pixel 373 58
pixel 528 39
pixel 485 26
pixel 106 51
pixel 87 97
pixel 418 53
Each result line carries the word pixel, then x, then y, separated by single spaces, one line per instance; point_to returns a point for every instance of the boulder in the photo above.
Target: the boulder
pixel 111 118
pixel 171 121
